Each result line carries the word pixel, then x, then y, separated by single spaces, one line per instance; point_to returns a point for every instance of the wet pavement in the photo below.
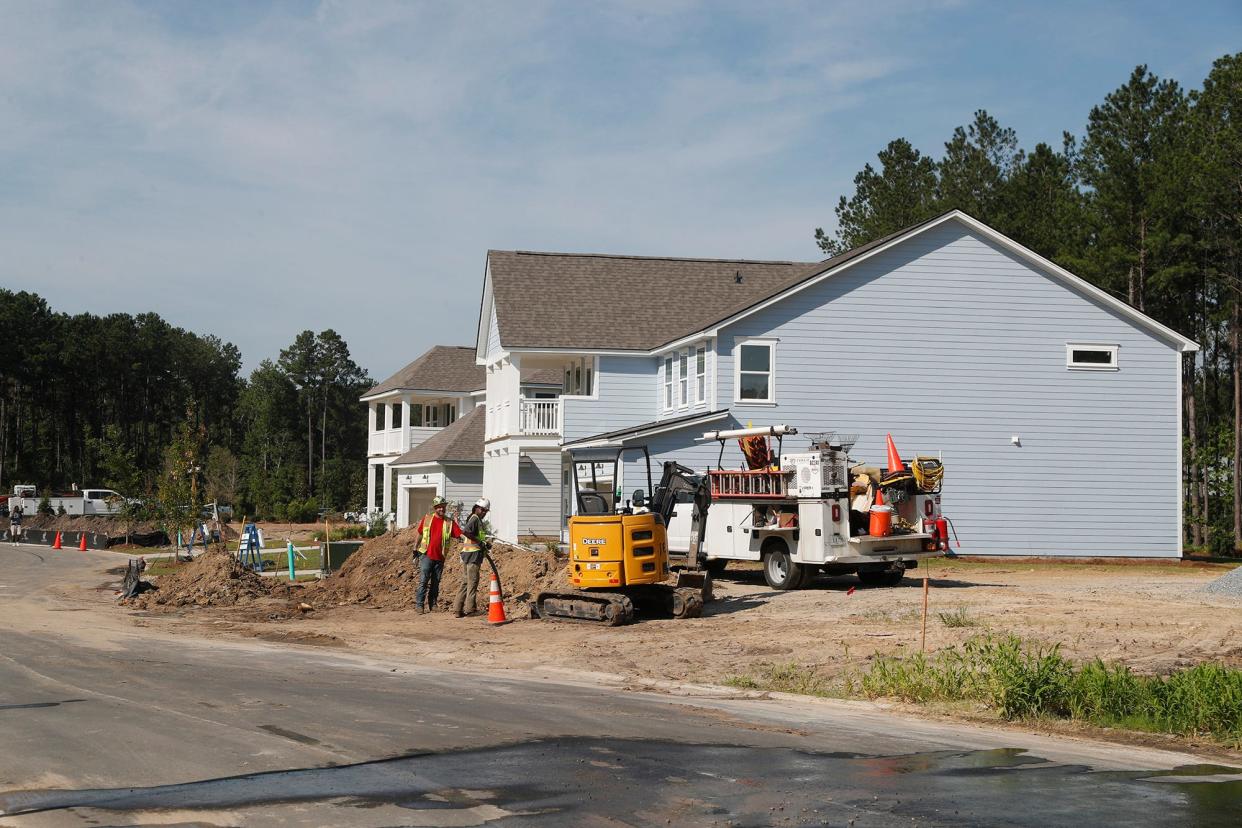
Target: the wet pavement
pixel 104 723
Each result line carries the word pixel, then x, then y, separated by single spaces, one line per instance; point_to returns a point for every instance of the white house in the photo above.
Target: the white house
pixel 1055 406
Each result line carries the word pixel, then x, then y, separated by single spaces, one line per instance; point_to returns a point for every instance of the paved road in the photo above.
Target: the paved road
pixel 103 722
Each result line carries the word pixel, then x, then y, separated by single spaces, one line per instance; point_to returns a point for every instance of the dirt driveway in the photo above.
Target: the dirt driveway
pixel 1150 617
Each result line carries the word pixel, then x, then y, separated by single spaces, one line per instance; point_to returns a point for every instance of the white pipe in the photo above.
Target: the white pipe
pixel 766 431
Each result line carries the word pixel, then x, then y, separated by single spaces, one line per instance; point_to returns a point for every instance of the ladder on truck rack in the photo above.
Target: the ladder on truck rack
pixel 760 483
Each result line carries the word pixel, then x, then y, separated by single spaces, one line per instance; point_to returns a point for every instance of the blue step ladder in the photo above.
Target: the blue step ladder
pixel 249 551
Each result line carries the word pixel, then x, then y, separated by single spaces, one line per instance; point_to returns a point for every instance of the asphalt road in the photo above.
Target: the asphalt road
pixel 105 722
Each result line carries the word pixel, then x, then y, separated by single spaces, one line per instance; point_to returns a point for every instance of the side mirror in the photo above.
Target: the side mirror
pixel 639 497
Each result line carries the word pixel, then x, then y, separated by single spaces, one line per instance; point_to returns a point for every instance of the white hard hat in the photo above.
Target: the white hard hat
pixel 483 503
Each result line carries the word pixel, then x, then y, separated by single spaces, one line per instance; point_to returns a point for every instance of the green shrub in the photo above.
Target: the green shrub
pixel 959 617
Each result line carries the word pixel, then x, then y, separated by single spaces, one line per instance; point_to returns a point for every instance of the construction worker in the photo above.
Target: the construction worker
pixel 472 551
pixel 433 531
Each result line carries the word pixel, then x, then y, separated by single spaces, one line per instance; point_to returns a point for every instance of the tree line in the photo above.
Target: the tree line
pixel 156 412
pixel 1147 205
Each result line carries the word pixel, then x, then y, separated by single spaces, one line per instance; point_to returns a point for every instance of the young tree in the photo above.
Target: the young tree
pixel 978 161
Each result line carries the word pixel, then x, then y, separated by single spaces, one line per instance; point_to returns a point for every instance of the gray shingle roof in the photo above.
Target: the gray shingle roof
pixel 573 300
pixel 443 368
pixel 461 442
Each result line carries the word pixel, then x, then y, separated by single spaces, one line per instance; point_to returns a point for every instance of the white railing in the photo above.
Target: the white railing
pixel 540 417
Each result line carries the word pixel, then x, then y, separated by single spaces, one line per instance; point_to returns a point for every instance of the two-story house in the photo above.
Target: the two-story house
pixel 1055 406
pixel 409 408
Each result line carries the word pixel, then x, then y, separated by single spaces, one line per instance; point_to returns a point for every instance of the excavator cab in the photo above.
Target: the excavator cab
pixel 618 550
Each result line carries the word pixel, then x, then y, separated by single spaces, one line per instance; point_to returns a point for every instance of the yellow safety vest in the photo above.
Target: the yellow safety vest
pixel 446 524
pixel 469 545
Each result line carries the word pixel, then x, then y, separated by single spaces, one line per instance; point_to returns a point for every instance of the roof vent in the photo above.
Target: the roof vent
pixel 737 277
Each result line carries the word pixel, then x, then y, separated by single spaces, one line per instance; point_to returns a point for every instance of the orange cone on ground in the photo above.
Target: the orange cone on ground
pixel 495 606
pixel 82 543
pixel 894 459
pixel 56 543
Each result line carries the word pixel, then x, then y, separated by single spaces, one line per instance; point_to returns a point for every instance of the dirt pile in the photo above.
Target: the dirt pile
pixel 215 578
pixel 382 574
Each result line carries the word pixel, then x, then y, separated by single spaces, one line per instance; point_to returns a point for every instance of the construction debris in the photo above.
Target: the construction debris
pixel 215 578
pixel 1228 585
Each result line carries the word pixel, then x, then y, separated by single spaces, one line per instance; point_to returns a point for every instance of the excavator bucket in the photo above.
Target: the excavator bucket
pixel 699 580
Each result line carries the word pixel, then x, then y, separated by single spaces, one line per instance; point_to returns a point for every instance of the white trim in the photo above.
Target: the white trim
pixel 426 392
pixel 682 358
pixel 485 314
pixel 738 344
pixel 1181 491
pixel 598 352
pixel 594 395
pixel 1111 350
pixel 646 432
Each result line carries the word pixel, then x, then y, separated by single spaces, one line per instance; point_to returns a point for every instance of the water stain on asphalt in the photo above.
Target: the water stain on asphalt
pixel 560 782
pixel 290 734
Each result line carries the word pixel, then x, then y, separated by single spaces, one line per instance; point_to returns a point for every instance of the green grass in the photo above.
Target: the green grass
pixel 959 617
pixel 1019 680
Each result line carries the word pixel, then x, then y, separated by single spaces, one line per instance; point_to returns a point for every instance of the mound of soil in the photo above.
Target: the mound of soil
pixel 382 574
pixel 215 578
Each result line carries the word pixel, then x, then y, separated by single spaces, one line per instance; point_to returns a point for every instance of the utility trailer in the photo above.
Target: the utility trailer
pixel 795 517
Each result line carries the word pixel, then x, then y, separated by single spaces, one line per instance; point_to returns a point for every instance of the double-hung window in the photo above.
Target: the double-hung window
pixel 668 382
pixel 700 374
pixel 756 375
pixel 683 378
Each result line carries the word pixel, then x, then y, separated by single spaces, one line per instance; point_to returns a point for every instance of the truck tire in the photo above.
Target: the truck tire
pixel 779 570
pixel 880 577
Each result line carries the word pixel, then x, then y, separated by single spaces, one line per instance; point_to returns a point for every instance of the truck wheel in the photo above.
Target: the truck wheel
pixel 779 570
pixel 881 577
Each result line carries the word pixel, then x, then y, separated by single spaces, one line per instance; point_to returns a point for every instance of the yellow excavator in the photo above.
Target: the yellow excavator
pixel 618 552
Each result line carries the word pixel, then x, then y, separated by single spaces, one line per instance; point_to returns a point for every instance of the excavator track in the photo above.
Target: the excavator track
pixel 612 609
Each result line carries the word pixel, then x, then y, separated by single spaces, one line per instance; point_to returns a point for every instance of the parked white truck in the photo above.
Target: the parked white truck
pixel 795 516
pixel 88 501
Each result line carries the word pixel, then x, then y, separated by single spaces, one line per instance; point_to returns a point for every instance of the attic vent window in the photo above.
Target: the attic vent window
pixel 1080 356
pixel 737 277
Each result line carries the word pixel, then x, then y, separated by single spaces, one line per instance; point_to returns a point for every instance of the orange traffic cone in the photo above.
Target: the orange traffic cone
pixel 56 543
pixel 495 606
pixel 82 543
pixel 879 497
pixel 894 459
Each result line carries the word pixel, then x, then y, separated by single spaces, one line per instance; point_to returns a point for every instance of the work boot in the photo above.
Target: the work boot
pixel 420 610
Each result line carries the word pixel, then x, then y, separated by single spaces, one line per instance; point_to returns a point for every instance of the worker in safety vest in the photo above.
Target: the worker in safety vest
pixel 433 531
pixel 472 551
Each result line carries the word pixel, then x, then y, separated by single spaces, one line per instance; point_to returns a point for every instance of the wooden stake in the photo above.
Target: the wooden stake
pixel 924 610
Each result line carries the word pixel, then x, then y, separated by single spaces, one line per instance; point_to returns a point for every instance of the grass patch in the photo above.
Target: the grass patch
pixel 959 617
pixel 1021 681
pixel 899 616
pixel 790 677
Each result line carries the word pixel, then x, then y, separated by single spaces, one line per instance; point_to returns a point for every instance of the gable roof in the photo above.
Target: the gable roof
pixel 443 368
pixel 562 300
pixel 459 442
pixel 627 303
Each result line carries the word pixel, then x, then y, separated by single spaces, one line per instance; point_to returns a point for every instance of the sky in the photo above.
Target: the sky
pixel 252 170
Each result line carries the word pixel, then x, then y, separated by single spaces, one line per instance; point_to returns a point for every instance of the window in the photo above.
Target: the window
pixel 580 378
pixel 381 411
pixel 668 382
pixel 683 378
pixel 396 416
pixel 1088 357
pixel 754 371
pixel 700 374
pixel 379 487
pixel 451 416
pixel 416 414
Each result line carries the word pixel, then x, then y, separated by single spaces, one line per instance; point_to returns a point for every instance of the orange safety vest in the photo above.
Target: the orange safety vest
pixel 446 525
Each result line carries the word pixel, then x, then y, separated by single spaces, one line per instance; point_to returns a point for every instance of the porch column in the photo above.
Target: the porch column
pixel 370 487
pixel 388 504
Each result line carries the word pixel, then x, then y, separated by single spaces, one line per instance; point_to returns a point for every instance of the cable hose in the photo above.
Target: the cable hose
pixel 928 473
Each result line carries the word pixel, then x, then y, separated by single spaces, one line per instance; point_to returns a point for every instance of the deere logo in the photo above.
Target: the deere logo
pixel 593 541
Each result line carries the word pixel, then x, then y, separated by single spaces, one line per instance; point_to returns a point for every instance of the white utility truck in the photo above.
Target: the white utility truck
pixel 794 516
pixel 89 501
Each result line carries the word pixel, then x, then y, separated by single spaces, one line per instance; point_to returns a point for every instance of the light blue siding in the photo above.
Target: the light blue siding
pixel 463 484
pixel 955 346
pixel 539 494
pixel 626 397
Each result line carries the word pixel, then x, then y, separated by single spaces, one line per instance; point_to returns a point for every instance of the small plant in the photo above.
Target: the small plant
pixel 959 617
pixel 790 677
pixel 45 506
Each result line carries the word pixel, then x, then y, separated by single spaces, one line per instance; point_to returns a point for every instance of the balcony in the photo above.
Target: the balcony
pixel 540 418
pixel 397 440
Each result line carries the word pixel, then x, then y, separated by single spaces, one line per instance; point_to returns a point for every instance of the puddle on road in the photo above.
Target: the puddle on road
pixel 561 782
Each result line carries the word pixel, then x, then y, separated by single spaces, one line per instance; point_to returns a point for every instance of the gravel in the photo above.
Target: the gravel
pixel 1229 584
